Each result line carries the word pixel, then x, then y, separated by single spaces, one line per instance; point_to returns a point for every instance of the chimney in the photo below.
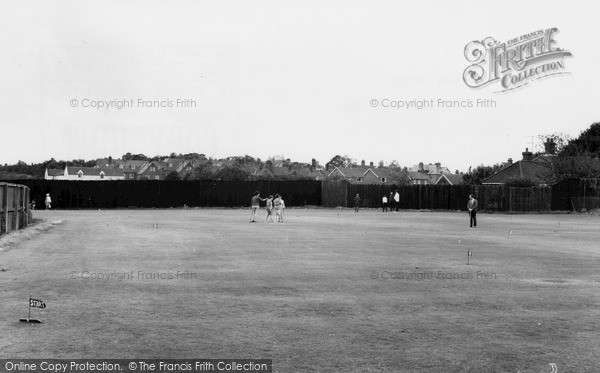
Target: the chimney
pixel 371 164
pixel 527 155
pixel 550 146
pixel 509 161
pixel 313 164
pixel 420 166
pixel 362 163
pixel 269 165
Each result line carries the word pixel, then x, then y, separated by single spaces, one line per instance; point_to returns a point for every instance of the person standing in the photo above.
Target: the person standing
pixel 255 205
pixel 48 201
pixel 472 207
pixel 356 202
pixel 269 209
pixel 397 200
pixel 391 201
pixel 278 208
pixel 384 203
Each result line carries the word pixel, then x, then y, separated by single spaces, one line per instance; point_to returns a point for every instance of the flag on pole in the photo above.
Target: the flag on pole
pixel 36 303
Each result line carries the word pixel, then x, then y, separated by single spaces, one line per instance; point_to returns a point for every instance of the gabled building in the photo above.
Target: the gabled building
pixel 109 163
pixel 450 179
pixel 528 168
pixel 414 178
pixel 362 174
pixel 432 170
pixel 152 170
pixel 85 174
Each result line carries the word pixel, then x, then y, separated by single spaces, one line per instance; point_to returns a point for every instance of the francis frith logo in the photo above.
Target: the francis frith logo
pixel 516 62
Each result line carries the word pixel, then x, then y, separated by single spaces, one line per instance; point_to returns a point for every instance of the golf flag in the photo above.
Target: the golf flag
pixel 469 253
pixel 36 303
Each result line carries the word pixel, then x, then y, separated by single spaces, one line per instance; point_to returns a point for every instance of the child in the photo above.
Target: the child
pixel 278 208
pixel 269 209
pixel 48 201
pixel 255 205
pixel 384 203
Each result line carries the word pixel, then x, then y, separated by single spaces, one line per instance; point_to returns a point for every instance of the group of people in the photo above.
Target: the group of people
pixel 274 205
pixel 393 201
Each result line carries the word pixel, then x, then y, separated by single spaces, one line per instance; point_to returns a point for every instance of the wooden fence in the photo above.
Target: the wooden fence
pixel 14 207
pixel 441 197
pixel 576 195
pixel 329 193
pixel 163 194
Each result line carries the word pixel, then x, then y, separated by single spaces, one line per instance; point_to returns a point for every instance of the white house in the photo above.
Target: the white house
pixel 85 174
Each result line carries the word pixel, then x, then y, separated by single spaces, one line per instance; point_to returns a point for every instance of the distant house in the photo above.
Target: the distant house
pixel 109 163
pixel 414 178
pixel 318 175
pixel 132 168
pixel 529 168
pixel 432 170
pixel 85 174
pixel 152 170
pixel 362 174
pixel 450 179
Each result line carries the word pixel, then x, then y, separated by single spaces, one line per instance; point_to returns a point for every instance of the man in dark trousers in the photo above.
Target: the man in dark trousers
pixel 356 203
pixel 472 207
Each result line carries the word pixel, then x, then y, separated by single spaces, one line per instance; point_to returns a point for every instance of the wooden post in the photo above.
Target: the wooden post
pixel 2 208
pixel 15 207
pixel 4 228
pixel 25 207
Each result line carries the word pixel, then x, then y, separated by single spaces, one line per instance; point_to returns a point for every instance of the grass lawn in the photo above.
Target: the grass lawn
pixel 328 290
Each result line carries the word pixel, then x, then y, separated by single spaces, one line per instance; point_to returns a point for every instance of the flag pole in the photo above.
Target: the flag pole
pixel 29 307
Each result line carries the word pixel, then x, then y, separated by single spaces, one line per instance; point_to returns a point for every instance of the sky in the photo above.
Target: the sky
pixel 302 79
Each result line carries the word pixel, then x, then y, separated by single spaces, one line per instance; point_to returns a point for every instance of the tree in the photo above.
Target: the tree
pixel 564 167
pixel 559 139
pixel 202 172
pixel 395 165
pixel 173 175
pixel 134 157
pixel 576 158
pixel 276 158
pixel 476 176
pixel 231 173
pixel 588 143
pixel 339 161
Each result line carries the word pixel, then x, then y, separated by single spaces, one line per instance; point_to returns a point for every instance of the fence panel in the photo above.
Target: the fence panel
pixel 14 207
pixel 164 194
pixel 452 197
